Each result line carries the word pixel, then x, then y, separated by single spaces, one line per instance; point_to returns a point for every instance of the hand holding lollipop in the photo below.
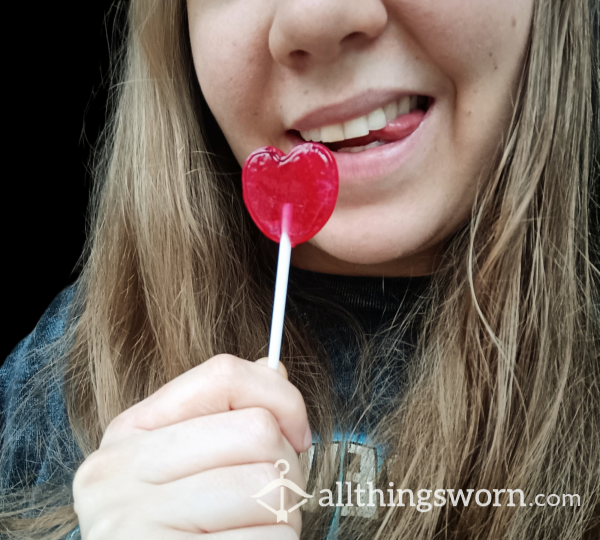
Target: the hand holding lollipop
pixel 290 198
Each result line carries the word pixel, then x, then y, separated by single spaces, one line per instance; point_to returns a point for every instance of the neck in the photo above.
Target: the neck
pixel 309 257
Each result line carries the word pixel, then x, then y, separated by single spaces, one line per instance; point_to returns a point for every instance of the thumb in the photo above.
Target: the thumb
pixel 280 367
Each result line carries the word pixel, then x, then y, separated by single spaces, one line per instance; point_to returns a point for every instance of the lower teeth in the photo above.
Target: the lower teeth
pixel 356 149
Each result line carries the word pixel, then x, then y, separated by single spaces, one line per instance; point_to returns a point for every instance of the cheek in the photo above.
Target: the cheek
pixel 228 46
pixel 467 39
pixel 477 46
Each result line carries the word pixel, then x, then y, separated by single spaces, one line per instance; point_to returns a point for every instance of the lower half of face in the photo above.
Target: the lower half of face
pixel 413 97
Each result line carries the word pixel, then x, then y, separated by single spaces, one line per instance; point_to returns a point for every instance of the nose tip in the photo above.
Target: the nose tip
pixel 322 30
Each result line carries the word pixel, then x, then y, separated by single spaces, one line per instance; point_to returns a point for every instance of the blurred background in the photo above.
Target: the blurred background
pixel 57 68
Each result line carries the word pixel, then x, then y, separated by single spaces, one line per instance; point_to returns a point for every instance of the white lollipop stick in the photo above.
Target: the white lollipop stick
pixel 281 285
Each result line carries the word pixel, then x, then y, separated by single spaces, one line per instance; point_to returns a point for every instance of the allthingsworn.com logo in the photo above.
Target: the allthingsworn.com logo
pixel 282 483
pixel 424 501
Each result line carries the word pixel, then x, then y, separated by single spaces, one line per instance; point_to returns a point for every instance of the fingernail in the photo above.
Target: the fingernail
pixel 308 437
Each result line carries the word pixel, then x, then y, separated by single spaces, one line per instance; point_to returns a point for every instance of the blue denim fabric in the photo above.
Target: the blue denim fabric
pixel 43 420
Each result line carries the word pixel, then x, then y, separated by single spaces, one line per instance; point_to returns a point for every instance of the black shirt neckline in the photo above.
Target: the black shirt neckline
pixel 371 298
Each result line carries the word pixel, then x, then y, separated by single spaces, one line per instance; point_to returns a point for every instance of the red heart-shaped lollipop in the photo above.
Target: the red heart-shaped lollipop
pixel 306 179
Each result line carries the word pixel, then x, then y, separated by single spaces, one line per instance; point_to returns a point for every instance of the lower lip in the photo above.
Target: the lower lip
pixel 381 161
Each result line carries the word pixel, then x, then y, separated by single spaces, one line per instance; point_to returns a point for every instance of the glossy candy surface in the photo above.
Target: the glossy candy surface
pixel 306 178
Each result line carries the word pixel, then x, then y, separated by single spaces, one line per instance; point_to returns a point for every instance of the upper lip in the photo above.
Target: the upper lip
pixel 354 107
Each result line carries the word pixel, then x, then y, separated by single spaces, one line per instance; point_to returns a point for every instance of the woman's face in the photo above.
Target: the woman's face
pixel 348 73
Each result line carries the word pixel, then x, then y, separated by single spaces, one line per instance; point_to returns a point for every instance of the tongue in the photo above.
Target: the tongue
pixel 398 129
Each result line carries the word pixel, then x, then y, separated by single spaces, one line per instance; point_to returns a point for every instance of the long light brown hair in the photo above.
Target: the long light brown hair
pixel 504 384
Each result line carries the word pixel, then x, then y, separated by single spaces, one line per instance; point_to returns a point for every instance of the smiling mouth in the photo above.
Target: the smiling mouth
pixel 380 127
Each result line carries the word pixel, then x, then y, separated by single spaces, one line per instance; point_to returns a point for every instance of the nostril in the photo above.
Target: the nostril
pixel 355 39
pixel 298 54
pixel 353 36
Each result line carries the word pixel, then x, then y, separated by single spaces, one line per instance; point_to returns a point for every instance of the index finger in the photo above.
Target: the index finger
pixel 221 384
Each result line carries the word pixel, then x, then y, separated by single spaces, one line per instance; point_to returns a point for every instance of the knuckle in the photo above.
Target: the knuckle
pixel 86 474
pixel 103 464
pixel 224 365
pixel 264 428
pixel 119 425
pixel 265 474
pixel 105 528
pixel 296 401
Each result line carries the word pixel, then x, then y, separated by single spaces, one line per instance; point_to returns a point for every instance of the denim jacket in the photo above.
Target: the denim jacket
pixel 46 423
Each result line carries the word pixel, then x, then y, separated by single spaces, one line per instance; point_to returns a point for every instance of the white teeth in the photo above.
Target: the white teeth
pixel 332 133
pixel 315 134
pixel 312 135
pixel 356 128
pixel 359 127
pixel 376 120
pixel 391 111
pixel 404 105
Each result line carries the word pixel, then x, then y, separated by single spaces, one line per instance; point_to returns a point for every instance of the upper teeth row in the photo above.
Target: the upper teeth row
pixel 359 127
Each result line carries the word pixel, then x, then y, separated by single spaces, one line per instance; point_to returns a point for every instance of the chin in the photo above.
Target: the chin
pixel 364 257
pixel 360 254
pixel 377 252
